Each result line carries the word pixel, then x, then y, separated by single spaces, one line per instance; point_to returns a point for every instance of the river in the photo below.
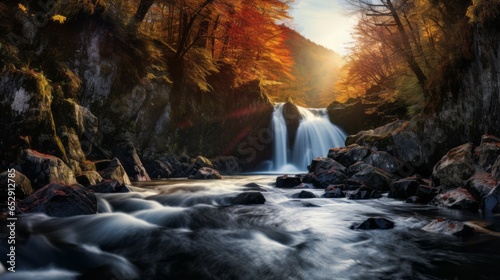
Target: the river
pixel 185 229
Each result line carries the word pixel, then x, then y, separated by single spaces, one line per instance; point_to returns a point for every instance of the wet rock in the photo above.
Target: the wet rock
pixel 491 202
pixel 333 193
pixel 448 227
pixel 383 161
pixel 487 152
pixel 200 162
pixel 329 177
pixel 364 193
pixel 292 117
pixel 254 187
pixel 370 176
pixel 375 223
pixel 413 199
pixel 22 184
pixel 206 173
pixel 320 164
pixel 349 155
pixel 338 186
pixel 109 186
pixel 404 188
pixel 454 168
pixel 129 158
pixel 43 169
pixel 87 178
pixel 480 184
pixel 248 198
pixel 304 186
pixel 115 171
pixel 158 169
pixel 286 181
pixel 227 165
pixel 426 193
pixel 304 194
pixel 458 198
pixel 60 200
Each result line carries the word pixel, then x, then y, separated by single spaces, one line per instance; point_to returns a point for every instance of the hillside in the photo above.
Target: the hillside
pixel 315 71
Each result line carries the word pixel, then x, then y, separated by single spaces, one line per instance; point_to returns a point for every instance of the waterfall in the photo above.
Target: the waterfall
pixel 315 136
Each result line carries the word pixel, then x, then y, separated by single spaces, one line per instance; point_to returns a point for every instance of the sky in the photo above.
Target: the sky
pixel 325 22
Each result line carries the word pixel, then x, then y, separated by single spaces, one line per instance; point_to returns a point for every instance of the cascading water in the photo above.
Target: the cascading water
pixel 314 136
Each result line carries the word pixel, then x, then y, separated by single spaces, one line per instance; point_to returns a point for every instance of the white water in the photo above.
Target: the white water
pixel 315 136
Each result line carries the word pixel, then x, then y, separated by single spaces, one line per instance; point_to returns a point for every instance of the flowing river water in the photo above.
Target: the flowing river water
pixel 186 229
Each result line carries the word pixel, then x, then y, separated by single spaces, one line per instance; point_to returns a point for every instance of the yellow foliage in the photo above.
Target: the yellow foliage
pixel 23 8
pixel 59 18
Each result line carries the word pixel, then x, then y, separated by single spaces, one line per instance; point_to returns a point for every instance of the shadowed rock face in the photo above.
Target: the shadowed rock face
pixel 292 119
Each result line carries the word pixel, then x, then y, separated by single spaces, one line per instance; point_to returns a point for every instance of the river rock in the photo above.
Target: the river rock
pixel 206 173
pixel 458 198
pixel 227 165
pixel 320 164
pixel 405 188
pixel 247 198
pixel 495 169
pixel 304 194
pixel 370 176
pixel 413 199
pixel 114 171
pixel 87 178
pixel 43 169
pixel 200 162
pixel 364 193
pixel 426 193
pixel 480 184
pixel 349 155
pixel 375 223
pixel 109 186
pixel 286 181
pixel 487 152
pixel 329 177
pixel 158 169
pixel 383 161
pixel 454 168
pixel 22 184
pixel 448 227
pixel 292 117
pixel 333 193
pixel 129 158
pixel 59 200
pixel 491 202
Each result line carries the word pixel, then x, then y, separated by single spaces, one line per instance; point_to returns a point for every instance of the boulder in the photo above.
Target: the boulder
pixel 109 186
pixel 329 177
pixel 227 165
pixel 129 158
pixel 115 171
pixel 292 117
pixel 448 227
pixel 495 169
pixel 370 176
pixel 375 223
pixel 200 162
pixel 286 181
pixel 71 144
pixel 405 188
pixel 349 155
pixel 454 168
pixel 87 178
pixel 158 169
pixel 248 198
pixel 43 169
pixel 487 152
pixel 413 199
pixel 206 173
pixel 304 194
pixel 383 161
pixel 59 200
pixel 491 202
pixel 480 184
pixel 364 193
pixel 333 193
pixel 426 193
pixel 458 198
pixel 320 164
pixel 22 184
